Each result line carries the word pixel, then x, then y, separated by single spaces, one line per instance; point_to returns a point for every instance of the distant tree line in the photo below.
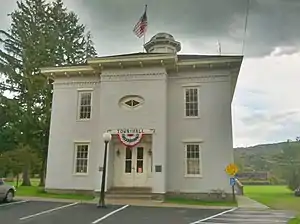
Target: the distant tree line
pixel 281 161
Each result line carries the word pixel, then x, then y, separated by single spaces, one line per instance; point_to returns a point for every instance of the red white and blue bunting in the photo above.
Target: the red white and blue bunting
pixel 131 139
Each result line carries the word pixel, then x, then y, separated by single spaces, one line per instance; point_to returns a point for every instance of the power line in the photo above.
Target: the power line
pixel 246 24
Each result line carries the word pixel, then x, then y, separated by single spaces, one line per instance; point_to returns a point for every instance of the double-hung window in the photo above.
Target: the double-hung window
pixel 191 98
pixel 193 160
pixel 81 158
pixel 85 105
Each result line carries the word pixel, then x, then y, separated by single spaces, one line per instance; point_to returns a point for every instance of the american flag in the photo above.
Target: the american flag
pixel 141 27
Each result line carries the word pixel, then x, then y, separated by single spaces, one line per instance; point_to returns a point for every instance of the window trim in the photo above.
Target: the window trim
pixel 200 175
pixel 76 144
pixel 191 86
pixel 139 99
pixel 79 92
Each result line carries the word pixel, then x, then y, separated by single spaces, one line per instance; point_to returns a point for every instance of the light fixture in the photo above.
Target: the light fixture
pixel 106 137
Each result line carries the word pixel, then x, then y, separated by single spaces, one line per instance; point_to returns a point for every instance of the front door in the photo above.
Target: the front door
pixel 131 165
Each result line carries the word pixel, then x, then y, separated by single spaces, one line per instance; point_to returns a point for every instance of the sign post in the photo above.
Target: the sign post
pixel 232 170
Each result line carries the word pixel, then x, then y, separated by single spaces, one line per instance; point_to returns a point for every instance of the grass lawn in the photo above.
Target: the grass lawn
pixel 199 202
pixel 36 191
pixel 276 197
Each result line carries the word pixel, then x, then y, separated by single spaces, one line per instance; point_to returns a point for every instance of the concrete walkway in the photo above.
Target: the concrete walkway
pixel 245 202
pixel 154 203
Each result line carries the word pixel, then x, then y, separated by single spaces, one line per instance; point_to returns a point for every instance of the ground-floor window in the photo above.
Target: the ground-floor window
pixel 81 158
pixel 192 159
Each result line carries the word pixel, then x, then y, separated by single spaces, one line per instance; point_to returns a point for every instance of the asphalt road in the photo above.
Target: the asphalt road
pixel 33 212
pixel 252 216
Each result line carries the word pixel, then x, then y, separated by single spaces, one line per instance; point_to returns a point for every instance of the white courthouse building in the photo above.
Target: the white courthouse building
pixel 169 115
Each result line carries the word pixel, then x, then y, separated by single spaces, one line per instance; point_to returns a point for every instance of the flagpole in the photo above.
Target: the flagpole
pixel 144 37
pixel 219 48
pixel 144 41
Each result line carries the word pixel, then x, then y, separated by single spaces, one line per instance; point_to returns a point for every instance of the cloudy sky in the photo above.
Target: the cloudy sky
pixel 266 107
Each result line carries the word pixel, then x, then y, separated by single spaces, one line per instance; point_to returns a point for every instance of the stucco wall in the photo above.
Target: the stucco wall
pixel 213 127
pixel 65 130
pixel 163 110
pixel 149 84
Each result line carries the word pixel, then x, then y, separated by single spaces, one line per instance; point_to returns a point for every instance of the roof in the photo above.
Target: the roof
pixel 131 54
pixel 197 56
pixel 180 56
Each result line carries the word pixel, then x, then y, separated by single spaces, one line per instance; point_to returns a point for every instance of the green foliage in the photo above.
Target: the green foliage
pixel 255 182
pixel 282 160
pixel 36 191
pixel 289 159
pixel 41 34
pixel 89 46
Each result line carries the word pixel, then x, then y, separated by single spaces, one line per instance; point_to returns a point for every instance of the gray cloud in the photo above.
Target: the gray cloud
pixel 198 24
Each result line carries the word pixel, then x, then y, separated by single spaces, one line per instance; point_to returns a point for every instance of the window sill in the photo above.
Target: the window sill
pixel 83 120
pixel 190 117
pixel 80 174
pixel 193 176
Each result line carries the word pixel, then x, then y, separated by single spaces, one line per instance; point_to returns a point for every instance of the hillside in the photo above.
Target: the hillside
pixel 263 148
pixel 267 157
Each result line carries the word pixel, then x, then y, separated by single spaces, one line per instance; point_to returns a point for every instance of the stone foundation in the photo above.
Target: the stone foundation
pixel 211 196
pixel 158 197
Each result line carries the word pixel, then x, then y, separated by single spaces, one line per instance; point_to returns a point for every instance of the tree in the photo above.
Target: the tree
pixel 41 34
pixel 89 46
pixel 15 161
pixel 7 131
pixel 289 161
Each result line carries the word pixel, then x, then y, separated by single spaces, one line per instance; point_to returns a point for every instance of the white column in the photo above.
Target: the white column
pixel 159 148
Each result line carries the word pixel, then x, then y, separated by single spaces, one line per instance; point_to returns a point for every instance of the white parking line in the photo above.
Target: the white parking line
pixel 110 214
pixel 12 203
pixel 252 220
pixel 48 211
pixel 213 216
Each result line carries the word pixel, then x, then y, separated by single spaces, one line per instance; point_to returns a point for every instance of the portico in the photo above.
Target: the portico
pixel 130 158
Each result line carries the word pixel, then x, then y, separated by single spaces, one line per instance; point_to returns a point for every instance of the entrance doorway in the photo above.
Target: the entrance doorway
pixel 131 166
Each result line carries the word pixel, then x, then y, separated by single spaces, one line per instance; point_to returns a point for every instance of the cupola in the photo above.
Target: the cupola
pixel 162 43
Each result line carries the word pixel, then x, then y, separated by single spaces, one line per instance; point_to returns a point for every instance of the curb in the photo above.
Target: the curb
pixel 140 203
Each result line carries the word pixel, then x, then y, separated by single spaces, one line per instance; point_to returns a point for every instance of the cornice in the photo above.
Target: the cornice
pixel 133 77
pixel 201 78
pixel 77 84
pixel 143 77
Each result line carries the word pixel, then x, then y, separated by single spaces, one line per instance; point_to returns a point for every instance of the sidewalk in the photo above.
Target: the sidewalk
pixel 153 203
pixel 245 202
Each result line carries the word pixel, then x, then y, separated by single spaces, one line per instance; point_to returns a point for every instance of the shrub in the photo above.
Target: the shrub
pixel 256 182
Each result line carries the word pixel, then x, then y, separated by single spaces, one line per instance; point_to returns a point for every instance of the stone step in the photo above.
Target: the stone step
pixel 128 196
pixel 130 190
pixel 144 193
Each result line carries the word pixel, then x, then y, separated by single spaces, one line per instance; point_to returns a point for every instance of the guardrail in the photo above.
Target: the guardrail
pixel 239 187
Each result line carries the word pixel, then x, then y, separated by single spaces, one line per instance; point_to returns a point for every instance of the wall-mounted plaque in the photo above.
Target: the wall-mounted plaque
pixel 158 168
